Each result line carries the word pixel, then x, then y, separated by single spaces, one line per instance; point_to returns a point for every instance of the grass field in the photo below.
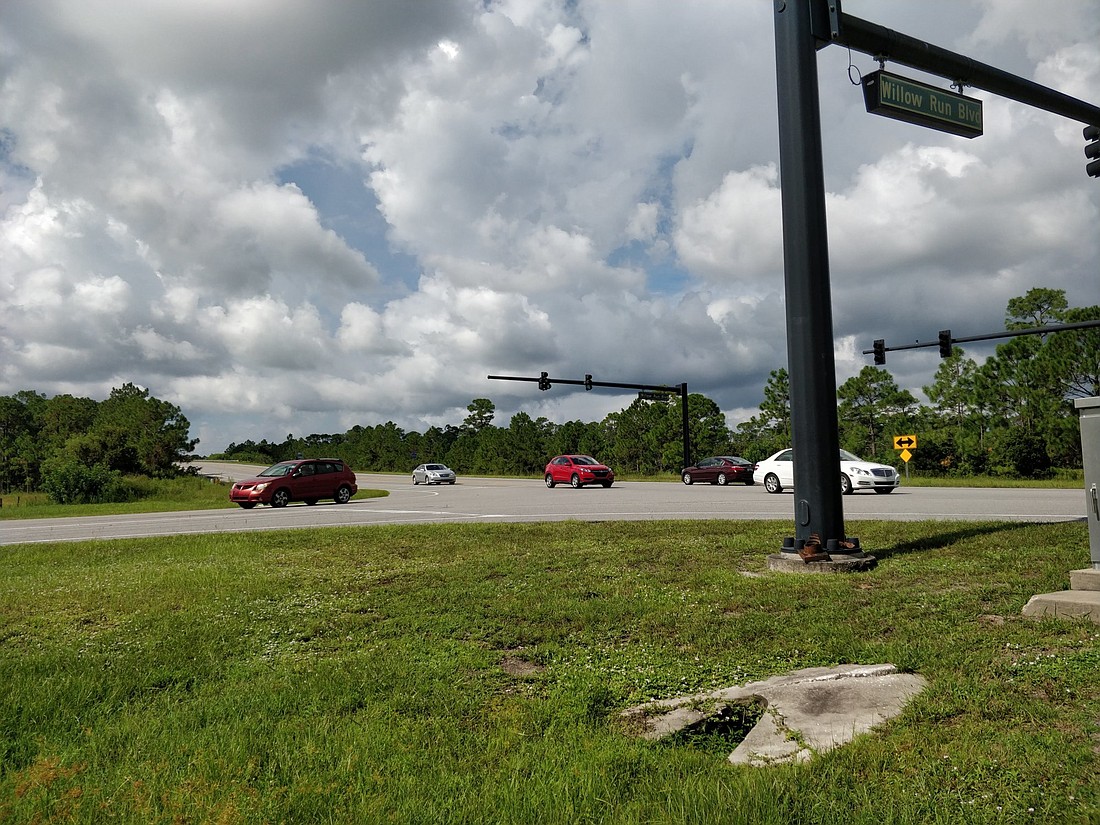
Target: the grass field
pixel 150 496
pixel 474 674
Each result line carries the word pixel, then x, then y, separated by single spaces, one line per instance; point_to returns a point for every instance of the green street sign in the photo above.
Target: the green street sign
pixel 902 99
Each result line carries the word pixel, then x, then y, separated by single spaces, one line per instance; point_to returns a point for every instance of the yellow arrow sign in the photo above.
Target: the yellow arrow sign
pixel 905 442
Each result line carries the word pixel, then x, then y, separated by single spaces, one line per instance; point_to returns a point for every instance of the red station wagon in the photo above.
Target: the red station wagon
pixel 308 480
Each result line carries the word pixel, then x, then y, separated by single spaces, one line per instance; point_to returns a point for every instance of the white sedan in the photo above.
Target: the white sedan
pixel 434 474
pixel 777 472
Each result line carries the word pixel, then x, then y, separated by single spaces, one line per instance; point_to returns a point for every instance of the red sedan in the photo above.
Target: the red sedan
pixel 720 469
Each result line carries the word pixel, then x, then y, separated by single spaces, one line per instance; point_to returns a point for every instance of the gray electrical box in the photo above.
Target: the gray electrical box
pixel 1089 411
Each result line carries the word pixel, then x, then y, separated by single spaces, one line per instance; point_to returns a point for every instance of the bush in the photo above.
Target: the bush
pixel 68 481
pixel 1021 454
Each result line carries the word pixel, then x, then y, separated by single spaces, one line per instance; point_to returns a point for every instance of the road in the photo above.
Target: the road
pixel 489 500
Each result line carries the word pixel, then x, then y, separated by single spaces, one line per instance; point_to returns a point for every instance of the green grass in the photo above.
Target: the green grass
pixel 470 674
pixel 150 496
pixel 1065 479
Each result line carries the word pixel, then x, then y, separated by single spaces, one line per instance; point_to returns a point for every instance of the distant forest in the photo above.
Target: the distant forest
pixel 1012 415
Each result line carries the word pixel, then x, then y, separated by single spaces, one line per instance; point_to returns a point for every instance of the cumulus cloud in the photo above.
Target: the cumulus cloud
pixel 286 218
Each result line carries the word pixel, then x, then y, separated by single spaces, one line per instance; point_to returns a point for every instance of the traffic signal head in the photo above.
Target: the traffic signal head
pixel 544 382
pixel 880 351
pixel 945 343
pixel 1092 151
pixel 587 381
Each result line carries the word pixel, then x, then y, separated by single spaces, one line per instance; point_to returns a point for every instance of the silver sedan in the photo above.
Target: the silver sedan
pixel 434 474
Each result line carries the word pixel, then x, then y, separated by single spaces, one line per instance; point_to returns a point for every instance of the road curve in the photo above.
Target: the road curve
pixel 490 500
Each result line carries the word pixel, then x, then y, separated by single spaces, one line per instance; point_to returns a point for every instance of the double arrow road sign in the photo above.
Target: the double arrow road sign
pixel 905 443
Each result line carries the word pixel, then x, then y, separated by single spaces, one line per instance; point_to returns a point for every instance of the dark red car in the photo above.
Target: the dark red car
pixel 719 469
pixel 308 480
pixel 578 470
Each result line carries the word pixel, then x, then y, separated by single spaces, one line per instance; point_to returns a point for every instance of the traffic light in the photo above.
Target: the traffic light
pixel 880 351
pixel 945 343
pixel 544 382
pixel 1092 151
pixel 587 381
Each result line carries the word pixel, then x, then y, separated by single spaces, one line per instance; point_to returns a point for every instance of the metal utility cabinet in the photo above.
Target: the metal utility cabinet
pixel 1089 411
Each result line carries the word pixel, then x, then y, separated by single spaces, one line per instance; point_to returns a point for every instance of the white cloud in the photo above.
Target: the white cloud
pixel 529 184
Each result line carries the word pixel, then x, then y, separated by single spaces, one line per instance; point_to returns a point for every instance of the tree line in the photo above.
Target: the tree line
pixel 1011 415
pixel 79 450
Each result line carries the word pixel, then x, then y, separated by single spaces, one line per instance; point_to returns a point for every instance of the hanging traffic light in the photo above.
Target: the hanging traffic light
pixel 880 351
pixel 945 343
pixel 1092 151
pixel 587 381
pixel 544 382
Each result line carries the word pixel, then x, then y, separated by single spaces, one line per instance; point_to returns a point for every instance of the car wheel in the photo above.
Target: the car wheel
pixel 771 483
pixel 415 482
pixel 311 501
pixel 549 480
pixel 280 498
pixel 686 478
pixel 450 482
pixel 575 481
pixel 845 485
pixel 722 480
pixel 343 494
pixel 247 505
pixel 884 490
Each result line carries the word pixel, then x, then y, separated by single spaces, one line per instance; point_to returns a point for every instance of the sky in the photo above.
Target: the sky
pixel 293 218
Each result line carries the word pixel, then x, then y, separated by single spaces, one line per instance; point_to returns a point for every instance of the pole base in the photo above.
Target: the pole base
pixel 812 556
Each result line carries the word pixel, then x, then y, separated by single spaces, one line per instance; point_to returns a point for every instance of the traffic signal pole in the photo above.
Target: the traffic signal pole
pixel 801 28
pixel 810 362
pixel 545 382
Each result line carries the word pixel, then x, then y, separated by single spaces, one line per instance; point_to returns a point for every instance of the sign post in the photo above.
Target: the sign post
pixel 903 443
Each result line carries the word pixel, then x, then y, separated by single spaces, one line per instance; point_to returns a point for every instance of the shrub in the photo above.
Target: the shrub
pixel 67 481
pixel 1020 453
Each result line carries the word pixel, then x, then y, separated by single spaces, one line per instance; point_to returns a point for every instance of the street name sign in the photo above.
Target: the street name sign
pixel 900 98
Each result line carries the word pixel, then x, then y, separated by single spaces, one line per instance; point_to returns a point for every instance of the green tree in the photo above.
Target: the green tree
pixel 871 404
pixel 20 445
pixel 524 445
pixel 482 412
pixel 770 431
pixel 636 435
pixel 1073 356
pixel 64 416
pixel 140 433
pixel 1039 307
pixel 954 428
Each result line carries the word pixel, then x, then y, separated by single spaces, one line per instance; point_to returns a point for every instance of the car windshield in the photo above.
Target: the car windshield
pixel 278 470
pixel 434 467
pixel 584 459
pixel 847 456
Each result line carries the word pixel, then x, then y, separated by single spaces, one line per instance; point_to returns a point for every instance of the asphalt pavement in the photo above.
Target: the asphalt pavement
pixel 489 500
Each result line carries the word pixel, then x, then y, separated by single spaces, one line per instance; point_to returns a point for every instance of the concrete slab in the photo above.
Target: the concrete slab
pixel 836 563
pixel 808 711
pixel 1087 579
pixel 1065 604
